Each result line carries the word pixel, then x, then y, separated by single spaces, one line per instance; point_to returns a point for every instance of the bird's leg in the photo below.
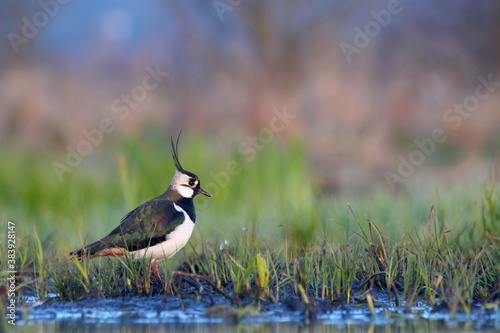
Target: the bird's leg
pixel 156 273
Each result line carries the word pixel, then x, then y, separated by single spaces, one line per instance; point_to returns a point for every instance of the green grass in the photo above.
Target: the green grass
pixel 284 237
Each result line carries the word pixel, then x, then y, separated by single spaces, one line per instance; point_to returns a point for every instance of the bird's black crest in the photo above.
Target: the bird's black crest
pixel 175 152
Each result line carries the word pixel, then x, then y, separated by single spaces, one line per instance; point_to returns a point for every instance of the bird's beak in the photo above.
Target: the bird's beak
pixel 202 191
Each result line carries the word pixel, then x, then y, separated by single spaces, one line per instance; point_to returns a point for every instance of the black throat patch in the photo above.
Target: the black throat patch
pixel 188 206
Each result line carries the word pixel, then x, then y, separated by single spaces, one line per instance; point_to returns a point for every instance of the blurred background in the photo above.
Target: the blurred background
pixel 360 81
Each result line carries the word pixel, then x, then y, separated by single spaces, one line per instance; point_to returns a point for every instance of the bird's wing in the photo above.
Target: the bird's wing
pixel 145 226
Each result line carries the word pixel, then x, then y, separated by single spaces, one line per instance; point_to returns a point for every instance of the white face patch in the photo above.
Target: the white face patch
pixel 185 191
pixel 180 183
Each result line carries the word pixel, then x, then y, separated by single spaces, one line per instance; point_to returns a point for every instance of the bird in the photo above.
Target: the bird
pixel 158 228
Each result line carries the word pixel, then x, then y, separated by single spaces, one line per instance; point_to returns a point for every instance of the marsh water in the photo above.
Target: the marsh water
pixel 214 314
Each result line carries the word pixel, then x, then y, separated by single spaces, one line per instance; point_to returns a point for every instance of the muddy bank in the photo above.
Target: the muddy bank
pixel 211 310
pixel 191 302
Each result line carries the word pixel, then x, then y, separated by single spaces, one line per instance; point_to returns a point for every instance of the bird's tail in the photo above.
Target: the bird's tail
pixel 77 253
pixel 96 249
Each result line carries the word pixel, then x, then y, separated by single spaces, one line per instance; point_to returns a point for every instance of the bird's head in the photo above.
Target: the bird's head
pixel 186 183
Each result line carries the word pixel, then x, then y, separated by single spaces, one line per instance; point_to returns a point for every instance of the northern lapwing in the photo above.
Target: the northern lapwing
pixel 158 228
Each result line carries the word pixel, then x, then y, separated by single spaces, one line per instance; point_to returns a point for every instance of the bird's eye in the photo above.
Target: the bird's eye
pixel 191 182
